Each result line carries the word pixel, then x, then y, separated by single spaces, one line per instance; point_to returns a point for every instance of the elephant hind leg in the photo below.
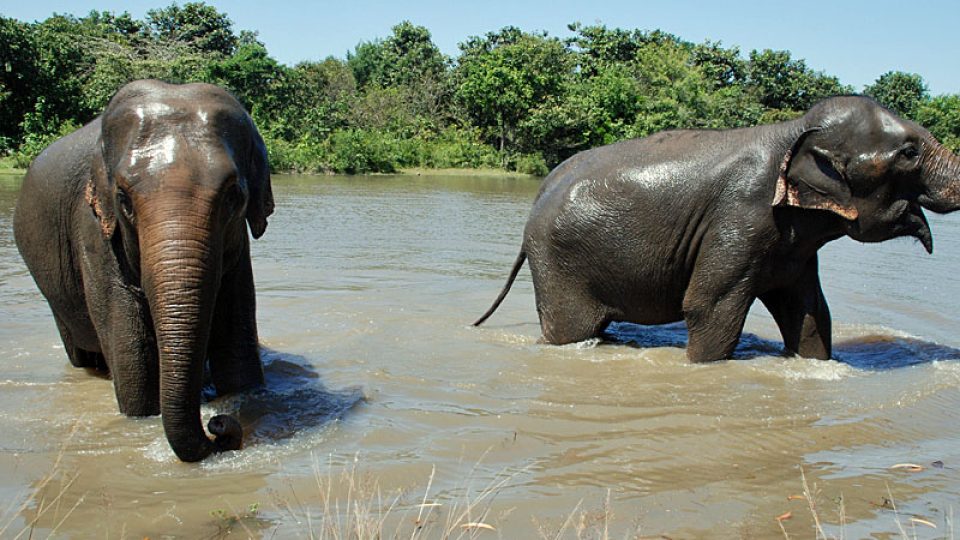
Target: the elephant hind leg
pixel 573 321
pixel 568 313
pixel 80 358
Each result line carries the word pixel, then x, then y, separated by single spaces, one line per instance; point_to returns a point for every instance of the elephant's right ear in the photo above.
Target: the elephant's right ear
pixel 99 195
pixel 811 177
pixel 260 205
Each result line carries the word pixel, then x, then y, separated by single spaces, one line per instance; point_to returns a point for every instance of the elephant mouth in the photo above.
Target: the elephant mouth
pixel 917 226
pixel 903 218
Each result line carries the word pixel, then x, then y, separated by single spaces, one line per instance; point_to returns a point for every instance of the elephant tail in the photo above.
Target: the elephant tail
pixel 517 264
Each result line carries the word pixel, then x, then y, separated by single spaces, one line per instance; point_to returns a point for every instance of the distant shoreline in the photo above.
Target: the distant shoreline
pixel 464 172
pixel 7 169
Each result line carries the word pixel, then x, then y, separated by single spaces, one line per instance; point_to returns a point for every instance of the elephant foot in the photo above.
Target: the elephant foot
pixel 227 432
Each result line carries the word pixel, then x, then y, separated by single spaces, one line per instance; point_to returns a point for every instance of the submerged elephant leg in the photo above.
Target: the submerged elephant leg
pixel 122 322
pixel 567 313
pixel 569 327
pixel 714 333
pixel 571 318
pixel 714 322
pixel 131 355
pixel 802 314
pixel 233 348
pixel 80 358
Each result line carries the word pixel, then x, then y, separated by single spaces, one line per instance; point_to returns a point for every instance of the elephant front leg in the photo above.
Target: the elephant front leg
pixel 130 352
pixel 233 349
pixel 802 314
pixel 714 323
pixel 79 357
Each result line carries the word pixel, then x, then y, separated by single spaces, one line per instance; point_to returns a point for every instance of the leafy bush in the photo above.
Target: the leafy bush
pixel 303 156
pixel 40 128
pixel 941 115
pixel 530 164
pixel 457 148
pixel 357 151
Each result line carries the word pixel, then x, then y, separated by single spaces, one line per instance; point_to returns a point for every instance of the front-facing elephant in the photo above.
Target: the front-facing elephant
pixel 696 225
pixel 134 228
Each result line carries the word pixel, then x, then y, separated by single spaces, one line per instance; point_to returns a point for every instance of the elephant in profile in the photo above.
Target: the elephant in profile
pixel 134 229
pixel 695 225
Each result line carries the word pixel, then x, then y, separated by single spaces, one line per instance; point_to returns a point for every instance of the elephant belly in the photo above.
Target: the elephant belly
pixel 642 302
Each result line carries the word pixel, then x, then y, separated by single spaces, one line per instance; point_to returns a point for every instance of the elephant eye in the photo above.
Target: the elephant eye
pixel 125 204
pixel 910 152
pixel 234 197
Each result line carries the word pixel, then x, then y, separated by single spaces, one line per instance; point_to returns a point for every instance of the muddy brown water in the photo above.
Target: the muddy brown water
pixel 366 288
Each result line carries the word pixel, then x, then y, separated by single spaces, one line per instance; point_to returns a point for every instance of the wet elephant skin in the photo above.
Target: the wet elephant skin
pixel 134 228
pixel 695 225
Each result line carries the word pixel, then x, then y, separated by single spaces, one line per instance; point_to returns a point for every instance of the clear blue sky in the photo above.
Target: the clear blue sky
pixel 856 40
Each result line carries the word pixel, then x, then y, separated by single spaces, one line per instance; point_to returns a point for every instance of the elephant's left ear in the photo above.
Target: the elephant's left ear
pixel 260 205
pixel 98 193
pixel 811 178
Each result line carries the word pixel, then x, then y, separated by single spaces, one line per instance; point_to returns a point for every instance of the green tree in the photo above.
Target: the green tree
pixel 941 115
pixel 673 90
pixel 407 57
pixel 368 63
pixel 723 68
pixel 781 83
pixel 117 65
pixel 504 76
pixel 20 78
pixel 597 46
pixel 251 74
pixel 900 92
pixel 122 28
pixel 525 99
pixel 197 25
pixel 316 98
pixel 40 128
pixel 67 60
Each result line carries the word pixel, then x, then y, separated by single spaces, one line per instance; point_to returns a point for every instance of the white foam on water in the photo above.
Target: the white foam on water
pixel 842 331
pixel 252 456
pixel 798 368
pixel 18 384
pixel 584 345
pixel 948 371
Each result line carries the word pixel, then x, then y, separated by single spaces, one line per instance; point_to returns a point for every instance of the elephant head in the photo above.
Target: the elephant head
pixel 873 169
pixel 181 169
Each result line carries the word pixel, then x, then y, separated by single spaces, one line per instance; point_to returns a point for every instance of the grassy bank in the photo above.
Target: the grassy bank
pixel 478 171
pixel 8 166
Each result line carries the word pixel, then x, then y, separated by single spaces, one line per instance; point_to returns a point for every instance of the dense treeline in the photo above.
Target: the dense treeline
pixel 513 99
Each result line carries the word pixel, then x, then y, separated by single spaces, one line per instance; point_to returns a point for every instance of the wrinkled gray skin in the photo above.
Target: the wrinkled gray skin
pixel 695 225
pixel 134 229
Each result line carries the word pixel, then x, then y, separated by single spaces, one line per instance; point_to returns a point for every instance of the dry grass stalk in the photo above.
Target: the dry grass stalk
pixel 812 503
pixel 39 493
pixel 581 524
pixel 364 514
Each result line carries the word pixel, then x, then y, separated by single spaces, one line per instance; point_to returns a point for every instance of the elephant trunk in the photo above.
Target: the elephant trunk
pixel 180 283
pixel 942 179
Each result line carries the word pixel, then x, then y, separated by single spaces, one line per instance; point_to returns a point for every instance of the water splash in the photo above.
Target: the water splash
pixel 293 408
